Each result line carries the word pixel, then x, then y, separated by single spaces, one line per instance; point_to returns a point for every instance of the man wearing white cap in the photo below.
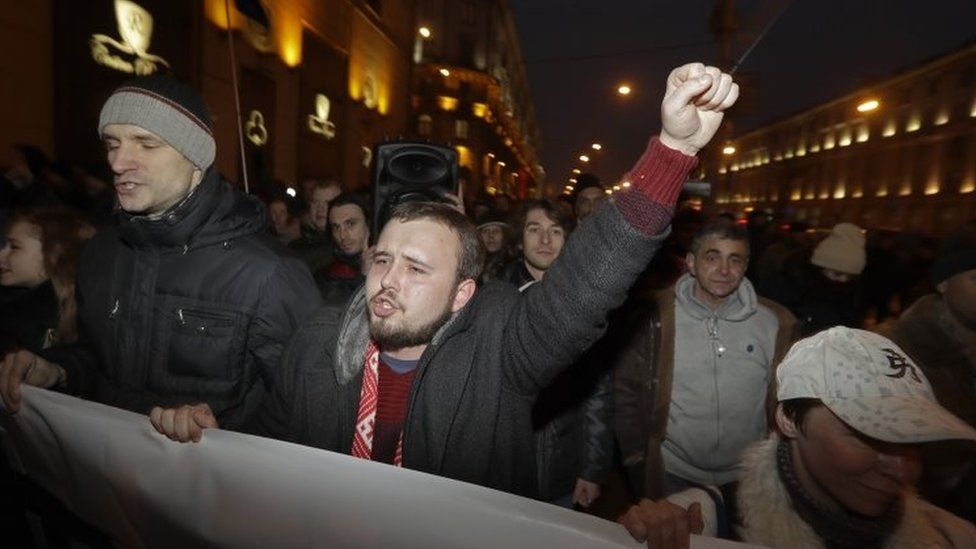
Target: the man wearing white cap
pixel 187 299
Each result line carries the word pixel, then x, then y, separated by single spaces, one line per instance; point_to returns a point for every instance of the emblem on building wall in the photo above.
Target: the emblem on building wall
pixel 319 122
pixel 369 92
pixel 135 28
pixel 254 128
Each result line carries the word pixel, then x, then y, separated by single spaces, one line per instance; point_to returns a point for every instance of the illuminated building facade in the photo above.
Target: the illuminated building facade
pixel 900 154
pixel 470 90
pixel 320 81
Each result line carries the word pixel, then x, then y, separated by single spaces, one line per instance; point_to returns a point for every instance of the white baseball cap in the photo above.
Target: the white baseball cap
pixel 870 384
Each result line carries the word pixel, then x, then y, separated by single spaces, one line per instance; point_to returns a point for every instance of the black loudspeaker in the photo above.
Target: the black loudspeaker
pixel 410 171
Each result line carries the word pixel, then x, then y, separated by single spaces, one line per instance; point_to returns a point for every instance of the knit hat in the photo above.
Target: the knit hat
pixel 492 217
pixel 586 181
pixel 842 250
pixel 956 254
pixel 168 108
pixel 870 384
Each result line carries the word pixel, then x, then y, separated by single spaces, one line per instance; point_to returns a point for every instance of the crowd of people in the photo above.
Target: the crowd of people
pixel 542 348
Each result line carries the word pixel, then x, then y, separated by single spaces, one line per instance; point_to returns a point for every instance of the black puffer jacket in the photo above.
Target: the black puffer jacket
pixel 195 306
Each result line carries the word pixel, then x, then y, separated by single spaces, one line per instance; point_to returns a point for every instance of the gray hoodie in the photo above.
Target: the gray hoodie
pixel 722 367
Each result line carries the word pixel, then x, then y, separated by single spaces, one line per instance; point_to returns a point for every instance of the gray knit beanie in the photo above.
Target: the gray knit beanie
pixel 168 108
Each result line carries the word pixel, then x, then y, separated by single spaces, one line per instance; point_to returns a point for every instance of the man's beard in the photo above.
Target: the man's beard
pixel 389 337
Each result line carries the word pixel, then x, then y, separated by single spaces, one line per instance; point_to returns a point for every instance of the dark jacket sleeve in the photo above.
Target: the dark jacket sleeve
pixel 634 385
pixel 289 299
pixel 598 436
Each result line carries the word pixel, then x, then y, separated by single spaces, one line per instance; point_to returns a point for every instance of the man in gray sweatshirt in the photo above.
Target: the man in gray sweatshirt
pixel 692 385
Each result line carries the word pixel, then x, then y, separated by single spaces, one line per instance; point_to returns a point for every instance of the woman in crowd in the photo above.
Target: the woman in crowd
pixel 855 419
pixel 37 273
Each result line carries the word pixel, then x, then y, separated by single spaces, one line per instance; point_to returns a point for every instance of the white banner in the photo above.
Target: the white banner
pixel 234 490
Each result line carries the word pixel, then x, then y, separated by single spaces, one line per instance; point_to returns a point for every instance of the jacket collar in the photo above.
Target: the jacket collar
pixel 354 334
pixel 212 212
pixel 739 306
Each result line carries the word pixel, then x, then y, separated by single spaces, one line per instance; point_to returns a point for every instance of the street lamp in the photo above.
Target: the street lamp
pixel 624 90
pixel 728 150
pixel 445 72
pixel 424 31
pixel 596 146
pixel 584 158
pixel 576 171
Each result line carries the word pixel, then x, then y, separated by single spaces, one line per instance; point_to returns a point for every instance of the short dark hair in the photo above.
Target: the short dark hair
pixel 471 257
pixel 721 229
pixel 796 409
pixel 552 210
pixel 347 198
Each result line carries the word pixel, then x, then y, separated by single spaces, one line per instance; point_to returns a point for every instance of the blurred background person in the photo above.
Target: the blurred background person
pixel 495 235
pixel 824 289
pixel 349 227
pixel 37 271
pixel 939 332
pixel 285 224
pixel 589 194
pixel 314 246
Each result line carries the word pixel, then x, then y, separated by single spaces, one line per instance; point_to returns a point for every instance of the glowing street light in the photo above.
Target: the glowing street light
pixel 624 90
pixel 572 180
pixel 291 192
pixel 729 149
pixel 868 106
pixel 584 158
pixel 596 146
pixel 445 72
pixel 424 31
pixel 576 171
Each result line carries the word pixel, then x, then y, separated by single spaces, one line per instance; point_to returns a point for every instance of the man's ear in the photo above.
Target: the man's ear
pixel 463 294
pixel 690 263
pixel 196 178
pixel 787 426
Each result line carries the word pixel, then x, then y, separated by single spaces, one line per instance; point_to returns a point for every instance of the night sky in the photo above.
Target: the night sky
pixel 576 52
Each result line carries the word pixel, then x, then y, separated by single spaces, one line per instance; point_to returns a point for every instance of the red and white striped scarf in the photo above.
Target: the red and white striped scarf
pixel 362 442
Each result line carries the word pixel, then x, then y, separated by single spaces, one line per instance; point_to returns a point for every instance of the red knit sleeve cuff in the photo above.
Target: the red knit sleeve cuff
pixel 655 183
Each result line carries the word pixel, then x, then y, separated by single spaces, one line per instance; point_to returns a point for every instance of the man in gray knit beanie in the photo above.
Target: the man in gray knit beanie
pixel 159 139
pixel 186 299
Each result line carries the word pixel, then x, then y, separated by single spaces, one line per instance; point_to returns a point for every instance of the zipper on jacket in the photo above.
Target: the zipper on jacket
pixel 114 311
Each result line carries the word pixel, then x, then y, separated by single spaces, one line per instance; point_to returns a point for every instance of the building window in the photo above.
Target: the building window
pixel 423 124
pixel 461 129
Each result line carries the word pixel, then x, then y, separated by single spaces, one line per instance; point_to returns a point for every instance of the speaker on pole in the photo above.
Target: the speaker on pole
pixel 410 171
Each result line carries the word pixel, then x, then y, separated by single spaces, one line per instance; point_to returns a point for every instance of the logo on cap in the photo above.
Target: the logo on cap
pixel 900 365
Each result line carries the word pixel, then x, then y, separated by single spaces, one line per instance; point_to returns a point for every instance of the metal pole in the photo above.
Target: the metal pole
pixel 237 96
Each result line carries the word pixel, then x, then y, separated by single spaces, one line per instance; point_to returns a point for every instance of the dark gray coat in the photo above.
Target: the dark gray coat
pixel 469 413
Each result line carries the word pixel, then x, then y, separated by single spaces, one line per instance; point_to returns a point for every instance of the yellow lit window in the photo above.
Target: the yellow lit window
pixel 447 103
